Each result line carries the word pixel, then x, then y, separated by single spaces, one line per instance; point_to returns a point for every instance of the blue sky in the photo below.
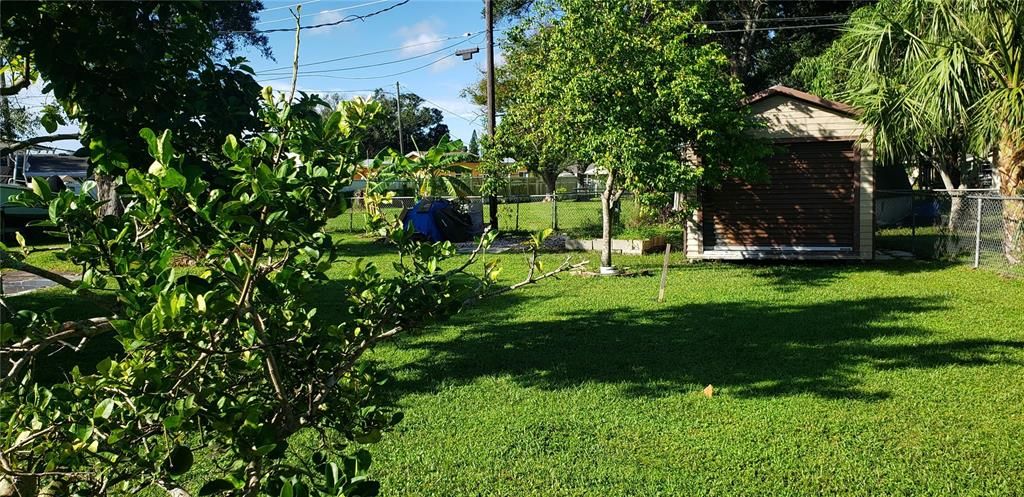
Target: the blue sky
pixel 418 31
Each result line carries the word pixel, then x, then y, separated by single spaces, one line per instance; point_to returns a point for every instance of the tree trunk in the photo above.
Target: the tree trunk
pixel 955 197
pixel 607 197
pixel 551 183
pixel 581 180
pixel 1011 184
pixel 106 190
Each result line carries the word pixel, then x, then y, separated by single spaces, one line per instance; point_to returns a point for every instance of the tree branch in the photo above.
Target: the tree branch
pixel 57 278
pixel 14 147
pixel 20 84
pixel 30 347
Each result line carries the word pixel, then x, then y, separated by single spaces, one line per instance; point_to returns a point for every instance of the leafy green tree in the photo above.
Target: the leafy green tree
pixel 760 56
pixel 474 145
pixel 644 95
pixel 532 130
pixel 930 74
pixel 119 67
pixel 228 360
pixel 422 126
pixel 435 173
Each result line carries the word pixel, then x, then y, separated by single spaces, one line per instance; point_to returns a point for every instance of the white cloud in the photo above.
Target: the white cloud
pixel 422 37
pixel 323 18
pixel 425 37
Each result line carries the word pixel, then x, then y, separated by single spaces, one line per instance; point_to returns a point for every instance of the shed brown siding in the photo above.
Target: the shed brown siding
pixel 809 200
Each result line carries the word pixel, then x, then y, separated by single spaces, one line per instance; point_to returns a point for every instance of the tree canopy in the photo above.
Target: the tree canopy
pixel 159 64
pixel 639 89
pixel 422 126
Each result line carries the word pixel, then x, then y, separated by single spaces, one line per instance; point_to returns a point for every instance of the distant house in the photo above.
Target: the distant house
pixel 818 200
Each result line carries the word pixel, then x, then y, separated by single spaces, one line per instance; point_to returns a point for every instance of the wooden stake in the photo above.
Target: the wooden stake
pixel 664 274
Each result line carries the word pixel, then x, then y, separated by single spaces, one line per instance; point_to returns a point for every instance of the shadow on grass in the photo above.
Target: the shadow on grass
pixel 750 349
pixel 794 277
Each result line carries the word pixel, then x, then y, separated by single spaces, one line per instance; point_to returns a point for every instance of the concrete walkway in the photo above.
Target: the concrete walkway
pixel 18 282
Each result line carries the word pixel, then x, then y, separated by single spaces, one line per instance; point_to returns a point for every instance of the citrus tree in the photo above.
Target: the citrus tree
pixel 222 359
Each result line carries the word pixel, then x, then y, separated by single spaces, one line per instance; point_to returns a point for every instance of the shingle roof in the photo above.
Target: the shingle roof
pixel 60 165
pixel 806 97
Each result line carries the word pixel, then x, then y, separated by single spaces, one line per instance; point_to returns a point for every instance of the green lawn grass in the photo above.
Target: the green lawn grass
pixel 876 379
pixel 898 378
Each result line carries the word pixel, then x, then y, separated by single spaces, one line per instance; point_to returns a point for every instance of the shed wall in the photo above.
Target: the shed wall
pixel 792 120
pixel 787 117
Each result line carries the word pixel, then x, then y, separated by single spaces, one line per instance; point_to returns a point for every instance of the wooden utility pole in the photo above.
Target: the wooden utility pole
pixel 489 15
pixel 398 116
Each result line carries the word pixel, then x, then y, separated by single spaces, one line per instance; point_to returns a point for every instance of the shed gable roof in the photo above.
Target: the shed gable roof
pixel 815 100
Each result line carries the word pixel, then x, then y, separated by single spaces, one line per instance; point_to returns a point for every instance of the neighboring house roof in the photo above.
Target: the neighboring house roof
pixel 804 96
pixel 59 165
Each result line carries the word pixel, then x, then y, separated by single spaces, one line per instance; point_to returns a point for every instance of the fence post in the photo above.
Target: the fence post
pixel 554 211
pixel 517 215
pixel 977 236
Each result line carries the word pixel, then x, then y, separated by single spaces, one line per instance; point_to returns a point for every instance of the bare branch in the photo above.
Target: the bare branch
pixel 14 147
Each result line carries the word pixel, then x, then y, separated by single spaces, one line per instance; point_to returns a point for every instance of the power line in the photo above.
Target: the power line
pixel 289 6
pixel 439 106
pixel 777 19
pixel 366 66
pixel 323 11
pixel 377 52
pixel 777 28
pixel 428 64
pixel 348 18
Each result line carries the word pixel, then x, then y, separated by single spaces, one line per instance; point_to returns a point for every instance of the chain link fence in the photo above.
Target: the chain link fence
pixel 979 227
pixel 577 215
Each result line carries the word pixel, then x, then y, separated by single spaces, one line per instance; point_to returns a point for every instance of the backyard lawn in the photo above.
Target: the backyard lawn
pixel 899 378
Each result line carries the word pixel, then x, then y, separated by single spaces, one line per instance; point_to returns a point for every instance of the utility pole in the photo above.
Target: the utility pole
pixel 398 115
pixel 489 15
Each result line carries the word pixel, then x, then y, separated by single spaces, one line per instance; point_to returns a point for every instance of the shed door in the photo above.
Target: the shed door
pixel 808 202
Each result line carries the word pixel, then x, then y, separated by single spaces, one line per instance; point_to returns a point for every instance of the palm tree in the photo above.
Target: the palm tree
pixel 929 68
pixel 436 172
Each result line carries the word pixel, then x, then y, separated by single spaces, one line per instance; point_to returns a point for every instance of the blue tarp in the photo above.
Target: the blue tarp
pixel 422 218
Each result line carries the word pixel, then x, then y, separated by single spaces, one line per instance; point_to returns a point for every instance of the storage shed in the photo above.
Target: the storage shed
pixel 817 203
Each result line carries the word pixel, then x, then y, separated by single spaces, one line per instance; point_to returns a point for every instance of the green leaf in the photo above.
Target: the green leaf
pixel 138 183
pixel 172 422
pixel 150 137
pixel 48 122
pixel 104 366
pixel 41 188
pixel 104 409
pixel 230 147
pixel 286 489
pixel 172 179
